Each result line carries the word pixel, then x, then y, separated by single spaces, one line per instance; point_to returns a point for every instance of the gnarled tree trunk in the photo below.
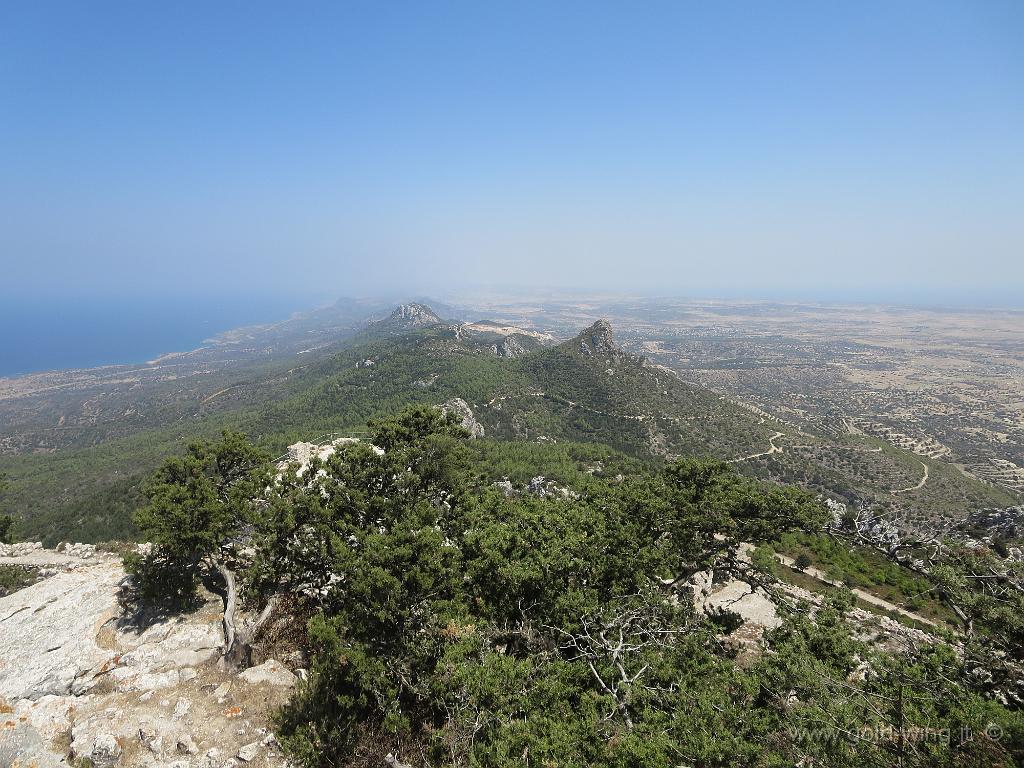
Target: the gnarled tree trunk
pixel 238 639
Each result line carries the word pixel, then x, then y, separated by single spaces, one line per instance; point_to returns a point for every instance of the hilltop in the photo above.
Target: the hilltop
pixel 408 317
pixel 87 677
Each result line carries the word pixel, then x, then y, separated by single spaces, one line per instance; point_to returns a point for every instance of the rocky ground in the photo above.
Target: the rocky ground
pixel 85 680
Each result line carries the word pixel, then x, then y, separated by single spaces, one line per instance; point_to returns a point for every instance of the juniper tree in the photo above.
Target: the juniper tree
pixel 201 506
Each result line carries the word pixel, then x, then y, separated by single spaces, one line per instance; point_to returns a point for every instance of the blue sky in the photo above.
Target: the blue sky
pixel 834 150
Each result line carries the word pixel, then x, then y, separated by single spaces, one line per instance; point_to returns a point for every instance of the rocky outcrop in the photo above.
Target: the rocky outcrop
pixel 303 453
pixel 539 486
pixel 406 319
pixel 460 408
pixel 735 596
pixel 413 316
pixel 269 672
pixel 510 346
pixel 43 648
pixel 598 342
pixel 543 488
pixel 86 677
pixel 21 549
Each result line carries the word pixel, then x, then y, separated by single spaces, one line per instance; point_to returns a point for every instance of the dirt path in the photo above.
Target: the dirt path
pixel 215 395
pixel 571 404
pixel 921 484
pixel 867 597
pixel 773 448
pixel 497 399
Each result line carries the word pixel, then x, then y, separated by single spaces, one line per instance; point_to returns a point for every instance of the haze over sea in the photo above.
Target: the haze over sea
pixel 56 334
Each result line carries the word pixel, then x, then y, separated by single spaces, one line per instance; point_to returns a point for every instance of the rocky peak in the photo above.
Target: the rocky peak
pixel 414 315
pixel 596 340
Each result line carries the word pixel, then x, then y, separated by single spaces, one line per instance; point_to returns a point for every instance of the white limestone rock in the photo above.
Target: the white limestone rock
pixel 48 637
pixel 269 672
pixel 249 752
pixel 460 408
pixel 181 708
pixel 86 681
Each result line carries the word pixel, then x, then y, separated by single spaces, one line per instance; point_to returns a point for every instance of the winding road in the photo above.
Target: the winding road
pixel 921 484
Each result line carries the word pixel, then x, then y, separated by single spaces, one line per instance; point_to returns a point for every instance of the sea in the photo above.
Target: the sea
pixel 47 334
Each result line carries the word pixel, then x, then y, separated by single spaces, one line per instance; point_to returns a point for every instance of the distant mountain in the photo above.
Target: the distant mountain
pixel 518 389
pixel 408 317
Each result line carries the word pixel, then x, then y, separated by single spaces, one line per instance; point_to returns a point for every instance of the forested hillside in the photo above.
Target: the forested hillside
pixel 585 390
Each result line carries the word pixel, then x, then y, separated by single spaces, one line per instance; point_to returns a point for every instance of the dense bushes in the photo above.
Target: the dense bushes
pixel 461 625
pixel 456 625
pixel 14 577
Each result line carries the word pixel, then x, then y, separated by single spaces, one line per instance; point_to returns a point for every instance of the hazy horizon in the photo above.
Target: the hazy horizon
pixel 798 152
pixel 62 334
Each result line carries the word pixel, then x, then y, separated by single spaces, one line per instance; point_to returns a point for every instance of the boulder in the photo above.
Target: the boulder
pixel 249 752
pixel 269 672
pixel 186 745
pixel 460 408
pixel 105 751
